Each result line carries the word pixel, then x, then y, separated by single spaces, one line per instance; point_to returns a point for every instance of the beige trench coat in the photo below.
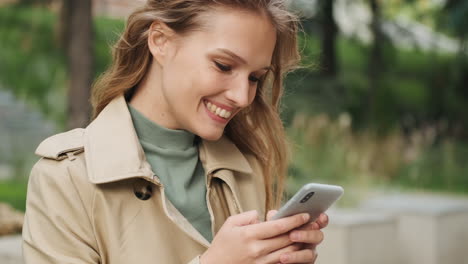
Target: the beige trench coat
pixel 93 198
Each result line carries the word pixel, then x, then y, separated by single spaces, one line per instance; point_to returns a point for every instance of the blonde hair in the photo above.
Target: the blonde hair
pixel 261 121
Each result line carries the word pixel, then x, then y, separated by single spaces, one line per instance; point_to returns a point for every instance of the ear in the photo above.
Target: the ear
pixel 159 38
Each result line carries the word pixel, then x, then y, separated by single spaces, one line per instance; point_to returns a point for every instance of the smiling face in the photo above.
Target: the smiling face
pixel 199 81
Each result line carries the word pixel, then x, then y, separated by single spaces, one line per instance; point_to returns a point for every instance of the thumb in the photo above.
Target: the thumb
pixel 245 218
pixel 270 214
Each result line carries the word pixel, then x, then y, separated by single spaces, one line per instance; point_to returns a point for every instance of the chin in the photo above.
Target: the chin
pixel 210 135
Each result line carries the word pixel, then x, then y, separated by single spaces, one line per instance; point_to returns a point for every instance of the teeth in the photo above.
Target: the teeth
pixel 218 111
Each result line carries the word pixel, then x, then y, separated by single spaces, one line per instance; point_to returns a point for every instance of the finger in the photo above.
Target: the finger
pixel 307 236
pixel 322 220
pixel 270 214
pixel 301 256
pixel 245 218
pixel 277 227
pixel 274 244
pixel 309 226
pixel 274 257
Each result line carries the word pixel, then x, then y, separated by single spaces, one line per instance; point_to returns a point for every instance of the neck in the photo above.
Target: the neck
pixel 148 99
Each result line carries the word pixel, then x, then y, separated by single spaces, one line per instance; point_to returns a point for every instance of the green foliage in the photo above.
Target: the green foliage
pixel 13 192
pixel 33 65
pixel 423 11
pixel 413 94
pixel 421 85
pixel 456 17
pixel 107 32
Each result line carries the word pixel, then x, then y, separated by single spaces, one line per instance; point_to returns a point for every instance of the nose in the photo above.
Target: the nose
pixel 239 92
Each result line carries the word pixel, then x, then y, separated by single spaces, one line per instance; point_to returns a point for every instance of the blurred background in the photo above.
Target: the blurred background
pixel 379 106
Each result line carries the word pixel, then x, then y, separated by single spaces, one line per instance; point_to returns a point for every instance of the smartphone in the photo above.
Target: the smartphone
pixel 312 198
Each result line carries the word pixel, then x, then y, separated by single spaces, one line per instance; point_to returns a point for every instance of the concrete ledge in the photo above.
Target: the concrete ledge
pixel 431 229
pixel 10 250
pixel 355 237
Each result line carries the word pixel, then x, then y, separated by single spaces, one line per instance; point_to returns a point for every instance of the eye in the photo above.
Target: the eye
pixel 253 79
pixel 222 67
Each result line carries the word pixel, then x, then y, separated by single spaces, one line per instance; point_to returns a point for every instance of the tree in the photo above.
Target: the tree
pixel 375 58
pixel 78 43
pixel 456 19
pixel 328 62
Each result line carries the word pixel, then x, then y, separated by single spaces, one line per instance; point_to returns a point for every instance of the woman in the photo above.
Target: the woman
pixel 186 152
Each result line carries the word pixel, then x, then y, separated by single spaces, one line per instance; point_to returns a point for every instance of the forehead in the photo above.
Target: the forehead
pixel 248 34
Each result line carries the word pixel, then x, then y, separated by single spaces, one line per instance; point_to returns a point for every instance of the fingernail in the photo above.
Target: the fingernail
pixel 315 226
pixel 306 217
pixel 323 217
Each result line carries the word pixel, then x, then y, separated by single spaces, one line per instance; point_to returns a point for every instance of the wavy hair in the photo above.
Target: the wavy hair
pixel 261 121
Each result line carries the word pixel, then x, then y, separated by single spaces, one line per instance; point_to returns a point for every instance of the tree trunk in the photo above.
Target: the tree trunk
pixel 375 58
pixel 64 24
pixel 80 62
pixel 329 31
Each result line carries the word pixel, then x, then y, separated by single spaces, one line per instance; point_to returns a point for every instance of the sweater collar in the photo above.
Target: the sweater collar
pixel 161 137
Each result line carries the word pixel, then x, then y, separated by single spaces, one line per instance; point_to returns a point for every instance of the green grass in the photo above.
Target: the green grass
pixel 13 192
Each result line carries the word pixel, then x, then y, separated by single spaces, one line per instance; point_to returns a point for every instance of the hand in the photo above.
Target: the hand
pixel 243 239
pixel 306 239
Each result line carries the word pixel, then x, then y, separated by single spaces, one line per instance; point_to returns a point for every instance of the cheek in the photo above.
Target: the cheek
pixel 184 84
pixel 210 82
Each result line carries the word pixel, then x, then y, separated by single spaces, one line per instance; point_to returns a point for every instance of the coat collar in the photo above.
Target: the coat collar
pixel 113 151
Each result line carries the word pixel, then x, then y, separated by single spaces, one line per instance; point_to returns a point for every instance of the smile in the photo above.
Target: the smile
pixel 223 113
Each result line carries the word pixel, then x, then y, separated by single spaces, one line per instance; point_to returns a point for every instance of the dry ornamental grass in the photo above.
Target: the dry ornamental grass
pixel 11 220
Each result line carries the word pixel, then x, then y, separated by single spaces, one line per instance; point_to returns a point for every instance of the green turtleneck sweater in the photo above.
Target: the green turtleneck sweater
pixel 173 156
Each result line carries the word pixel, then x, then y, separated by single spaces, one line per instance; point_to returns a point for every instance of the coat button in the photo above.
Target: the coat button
pixel 142 190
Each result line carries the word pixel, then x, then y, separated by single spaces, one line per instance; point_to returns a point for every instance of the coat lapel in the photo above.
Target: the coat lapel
pixel 112 148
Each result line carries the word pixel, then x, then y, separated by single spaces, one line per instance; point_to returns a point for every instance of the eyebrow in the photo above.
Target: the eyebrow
pixel 239 58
